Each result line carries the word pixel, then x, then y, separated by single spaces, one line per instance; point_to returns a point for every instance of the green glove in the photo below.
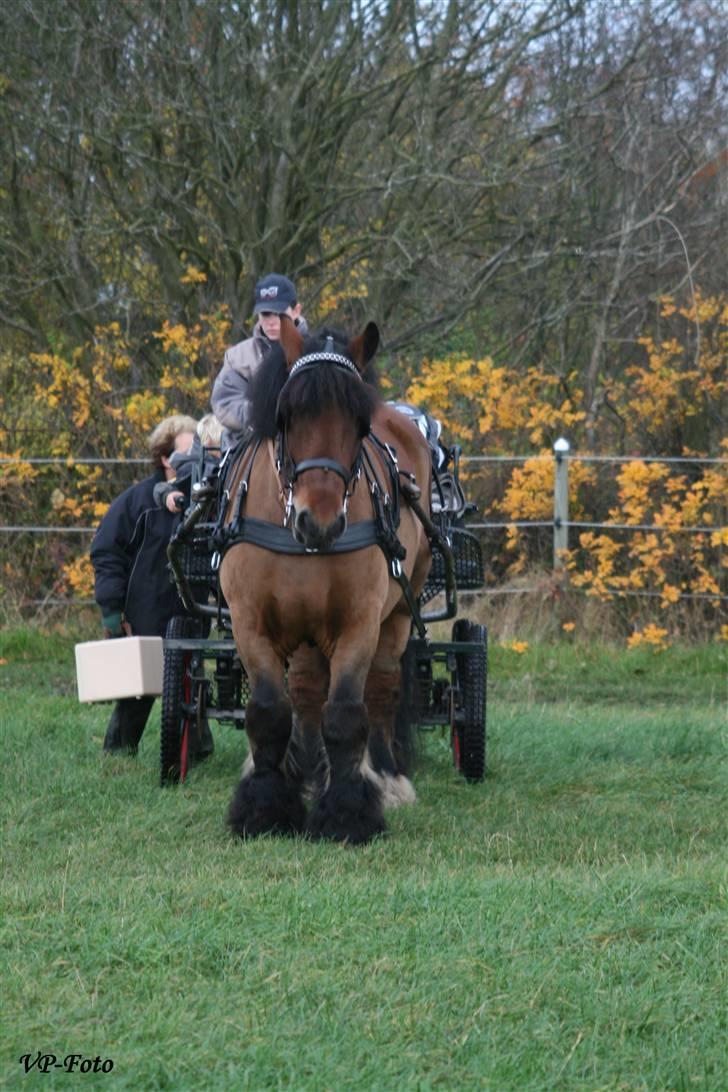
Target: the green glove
pixel 112 623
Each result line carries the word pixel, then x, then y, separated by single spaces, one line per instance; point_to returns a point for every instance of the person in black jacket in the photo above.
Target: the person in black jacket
pixel 129 557
pixel 191 466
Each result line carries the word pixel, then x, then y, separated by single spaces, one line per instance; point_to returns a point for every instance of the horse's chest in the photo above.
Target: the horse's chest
pixel 311 605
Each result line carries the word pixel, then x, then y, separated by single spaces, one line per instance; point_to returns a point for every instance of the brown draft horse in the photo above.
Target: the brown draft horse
pixel 337 620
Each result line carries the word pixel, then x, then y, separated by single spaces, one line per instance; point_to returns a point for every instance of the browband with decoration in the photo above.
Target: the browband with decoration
pixel 330 358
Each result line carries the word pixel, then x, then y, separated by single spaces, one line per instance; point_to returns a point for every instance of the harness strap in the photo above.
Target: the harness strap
pixel 227 467
pixel 271 536
pixel 387 511
pixel 400 576
pixel 320 464
pixel 385 504
pixel 220 532
pixel 436 538
pixel 328 356
pixel 380 531
pixel 242 492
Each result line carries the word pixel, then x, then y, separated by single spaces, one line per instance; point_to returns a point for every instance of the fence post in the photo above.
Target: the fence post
pixel 561 500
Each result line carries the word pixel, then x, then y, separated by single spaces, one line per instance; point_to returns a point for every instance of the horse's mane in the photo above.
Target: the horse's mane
pixel 311 391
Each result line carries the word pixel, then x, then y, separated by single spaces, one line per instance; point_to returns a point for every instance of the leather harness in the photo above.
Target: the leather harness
pixel 376 461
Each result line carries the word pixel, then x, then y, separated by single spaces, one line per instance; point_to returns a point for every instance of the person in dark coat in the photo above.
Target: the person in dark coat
pixel 191 466
pixel 129 556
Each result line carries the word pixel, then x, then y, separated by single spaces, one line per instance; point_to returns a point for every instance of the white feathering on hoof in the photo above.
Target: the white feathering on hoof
pixel 248 766
pixel 395 790
pixel 400 791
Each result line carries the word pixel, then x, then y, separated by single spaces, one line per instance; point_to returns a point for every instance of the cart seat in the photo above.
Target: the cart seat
pixel 430 428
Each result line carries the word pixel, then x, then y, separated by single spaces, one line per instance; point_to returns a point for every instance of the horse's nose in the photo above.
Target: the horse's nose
pixel 310 534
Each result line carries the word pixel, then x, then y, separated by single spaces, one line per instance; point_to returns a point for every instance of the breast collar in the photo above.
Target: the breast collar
pixel 377 465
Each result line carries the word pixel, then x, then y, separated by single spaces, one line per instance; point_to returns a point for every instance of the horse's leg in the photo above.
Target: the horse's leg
pixel 350 808
pixel 265 801
pixel 387 760
pixel 390 731
pixel 308 684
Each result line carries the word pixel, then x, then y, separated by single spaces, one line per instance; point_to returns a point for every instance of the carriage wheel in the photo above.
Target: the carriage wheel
pixel 468 730
pixel 177 725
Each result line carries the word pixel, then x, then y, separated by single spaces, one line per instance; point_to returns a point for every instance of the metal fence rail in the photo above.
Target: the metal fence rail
pixel 560 524
pixel 562 456
pixel 69 461
pixel 29 529
pixel 575 458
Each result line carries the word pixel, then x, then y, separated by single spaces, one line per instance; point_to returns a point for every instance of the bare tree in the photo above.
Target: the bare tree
pixel 632 121
pixel 239 137
pixel 513 178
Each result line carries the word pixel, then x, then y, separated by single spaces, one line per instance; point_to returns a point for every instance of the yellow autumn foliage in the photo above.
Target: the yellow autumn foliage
pixel 97 398
pixel 652 636
pixel 682 556
pixel 489 407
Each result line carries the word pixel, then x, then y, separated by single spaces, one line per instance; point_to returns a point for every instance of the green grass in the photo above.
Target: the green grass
pixel 562 926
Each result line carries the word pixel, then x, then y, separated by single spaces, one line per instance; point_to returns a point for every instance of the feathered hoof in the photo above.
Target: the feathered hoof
pixel 396 790
pixel 265 803
pixel 350 812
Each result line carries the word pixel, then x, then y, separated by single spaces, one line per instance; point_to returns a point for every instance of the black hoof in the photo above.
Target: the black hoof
pixel 349 811
pixel 265 803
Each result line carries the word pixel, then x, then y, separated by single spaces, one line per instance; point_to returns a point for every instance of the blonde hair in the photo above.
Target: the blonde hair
pixel 161 441
pixel 209 430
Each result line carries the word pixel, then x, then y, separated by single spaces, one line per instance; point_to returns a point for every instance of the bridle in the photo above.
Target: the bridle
pixel 290 471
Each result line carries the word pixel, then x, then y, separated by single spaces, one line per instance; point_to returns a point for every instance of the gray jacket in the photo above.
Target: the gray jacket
pixel 230 401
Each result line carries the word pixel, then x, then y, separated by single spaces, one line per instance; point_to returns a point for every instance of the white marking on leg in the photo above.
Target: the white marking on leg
pixel 404 790
pixel 248 766
pixel 395 789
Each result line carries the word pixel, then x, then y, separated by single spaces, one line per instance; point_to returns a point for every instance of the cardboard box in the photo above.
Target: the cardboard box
pixel 124 667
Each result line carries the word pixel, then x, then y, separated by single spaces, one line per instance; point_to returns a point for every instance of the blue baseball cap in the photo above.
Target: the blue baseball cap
pixel 274 293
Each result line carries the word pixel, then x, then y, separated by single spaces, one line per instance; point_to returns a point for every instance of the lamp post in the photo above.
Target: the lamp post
pixel 561 500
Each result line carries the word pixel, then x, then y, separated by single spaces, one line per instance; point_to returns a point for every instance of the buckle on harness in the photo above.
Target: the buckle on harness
pixel 393 455
pixel 289 506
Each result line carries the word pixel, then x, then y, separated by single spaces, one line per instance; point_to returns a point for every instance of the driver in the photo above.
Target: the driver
pixel 275 295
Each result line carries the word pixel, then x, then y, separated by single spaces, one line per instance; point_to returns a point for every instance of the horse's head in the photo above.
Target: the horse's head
pixel 323 411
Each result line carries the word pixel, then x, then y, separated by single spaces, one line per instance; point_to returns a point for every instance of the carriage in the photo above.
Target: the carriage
pixel 443 682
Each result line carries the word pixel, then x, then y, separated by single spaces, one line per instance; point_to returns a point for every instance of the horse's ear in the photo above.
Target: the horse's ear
pixel 363 347
pixel 291 340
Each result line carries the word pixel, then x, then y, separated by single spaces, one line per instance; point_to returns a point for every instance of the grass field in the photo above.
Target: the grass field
pixel 562 926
